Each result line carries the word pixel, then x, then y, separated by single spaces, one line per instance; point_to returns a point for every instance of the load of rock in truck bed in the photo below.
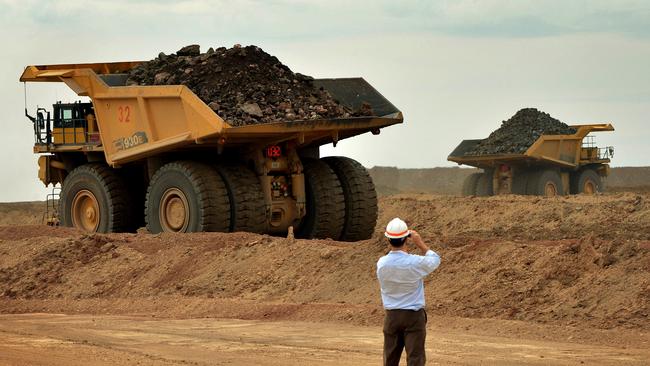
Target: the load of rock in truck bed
pixel 243 85
pixel 519 132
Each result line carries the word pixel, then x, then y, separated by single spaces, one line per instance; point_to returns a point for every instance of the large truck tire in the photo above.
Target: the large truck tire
pixel 247 205
pixel 545 183
pixel 469 184
pixel 586 181
pixel 485 184
pixel 186 196
pixel 325 202
pixel 94 198
pixel 360 197
pixel 520 181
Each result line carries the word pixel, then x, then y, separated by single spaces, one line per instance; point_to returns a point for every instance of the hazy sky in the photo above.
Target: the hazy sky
pixel 456 69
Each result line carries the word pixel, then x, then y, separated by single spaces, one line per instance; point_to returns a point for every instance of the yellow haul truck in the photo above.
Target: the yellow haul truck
pixel 158 155
pixel 552 165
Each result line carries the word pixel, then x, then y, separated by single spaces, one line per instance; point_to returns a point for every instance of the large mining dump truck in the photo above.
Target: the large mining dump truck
pixel 552 165
pixel 158 155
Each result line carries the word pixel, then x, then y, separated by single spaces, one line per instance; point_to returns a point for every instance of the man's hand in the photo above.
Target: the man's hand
pixel 417 240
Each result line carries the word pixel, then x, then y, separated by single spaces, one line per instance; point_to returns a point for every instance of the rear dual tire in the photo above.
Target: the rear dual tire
pixel 247 205
pixel 325 216
pixel 479 184
pixel 469 184
pixel 187 196
pixel 545 183
pixel 360 198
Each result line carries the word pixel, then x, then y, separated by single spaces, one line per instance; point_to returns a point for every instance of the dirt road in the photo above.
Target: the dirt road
pixel 50 339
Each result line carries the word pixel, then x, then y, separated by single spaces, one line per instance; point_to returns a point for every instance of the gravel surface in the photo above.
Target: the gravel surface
pixel 243 85
pixel 518 133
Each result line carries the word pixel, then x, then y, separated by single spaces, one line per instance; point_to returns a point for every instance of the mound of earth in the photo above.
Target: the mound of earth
pixel 22 213
pixel 243 85
pixel 519 132
pixel 554 261
pixel 615 216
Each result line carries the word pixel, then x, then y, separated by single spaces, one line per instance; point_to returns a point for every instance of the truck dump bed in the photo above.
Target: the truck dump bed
pixel 552 150
pixel 140 121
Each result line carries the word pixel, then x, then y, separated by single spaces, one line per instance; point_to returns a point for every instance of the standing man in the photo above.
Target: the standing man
pixel 401 277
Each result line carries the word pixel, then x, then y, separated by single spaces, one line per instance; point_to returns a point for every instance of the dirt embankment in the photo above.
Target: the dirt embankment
pixel 581 261
pixel 21 213
pixel 391 180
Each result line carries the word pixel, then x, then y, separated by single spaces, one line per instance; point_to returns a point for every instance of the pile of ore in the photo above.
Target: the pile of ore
pixel 518 133
pixel 243 85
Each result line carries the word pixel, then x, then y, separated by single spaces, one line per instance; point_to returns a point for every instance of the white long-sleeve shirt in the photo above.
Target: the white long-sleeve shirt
pixel 400 276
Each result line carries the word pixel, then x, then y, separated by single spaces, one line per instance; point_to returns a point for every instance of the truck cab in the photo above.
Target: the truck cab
pixel 67 124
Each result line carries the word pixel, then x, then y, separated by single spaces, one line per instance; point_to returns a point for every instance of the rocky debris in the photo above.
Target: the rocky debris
pixel 519 132
pixel 252 109
pixel 191 50
pixel 243 85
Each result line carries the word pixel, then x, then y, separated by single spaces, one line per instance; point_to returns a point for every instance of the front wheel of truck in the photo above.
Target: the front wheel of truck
pixel 95 199
pixel 586 181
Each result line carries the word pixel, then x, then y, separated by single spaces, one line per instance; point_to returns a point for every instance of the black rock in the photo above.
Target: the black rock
pixel 245 84
pixel 519 132
pixel 191 50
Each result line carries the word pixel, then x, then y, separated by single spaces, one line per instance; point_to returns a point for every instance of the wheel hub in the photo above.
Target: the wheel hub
pixel 174 211
pixel 550 189
pixel 85 211
pixel 589 188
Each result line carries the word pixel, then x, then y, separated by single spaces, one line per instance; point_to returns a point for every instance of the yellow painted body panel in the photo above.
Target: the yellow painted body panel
pixel 69 135
pixel 140 121
pixel 564 149
pixel 43 169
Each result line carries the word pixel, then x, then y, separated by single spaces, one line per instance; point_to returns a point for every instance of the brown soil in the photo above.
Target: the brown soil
pixel 21 213
pixel 619 216
pixel 581 261
pixel 65 340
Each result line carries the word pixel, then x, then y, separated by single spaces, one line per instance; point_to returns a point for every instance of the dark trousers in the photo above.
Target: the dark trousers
pixel 405 328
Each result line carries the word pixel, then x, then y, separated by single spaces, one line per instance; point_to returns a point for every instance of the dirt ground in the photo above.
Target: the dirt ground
pixel 523 280
pixel 58 340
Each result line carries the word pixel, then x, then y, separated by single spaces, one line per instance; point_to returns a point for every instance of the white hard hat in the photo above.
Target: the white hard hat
pixel 396 229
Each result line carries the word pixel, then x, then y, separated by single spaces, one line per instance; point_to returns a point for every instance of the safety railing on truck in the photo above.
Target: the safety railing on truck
pixel 62 131
pixel 598 153
pixel 51 214
pixel 605 152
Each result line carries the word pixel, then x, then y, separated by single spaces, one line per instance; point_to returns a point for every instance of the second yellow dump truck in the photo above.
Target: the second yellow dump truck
pixel 552 165
pixel 158 155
